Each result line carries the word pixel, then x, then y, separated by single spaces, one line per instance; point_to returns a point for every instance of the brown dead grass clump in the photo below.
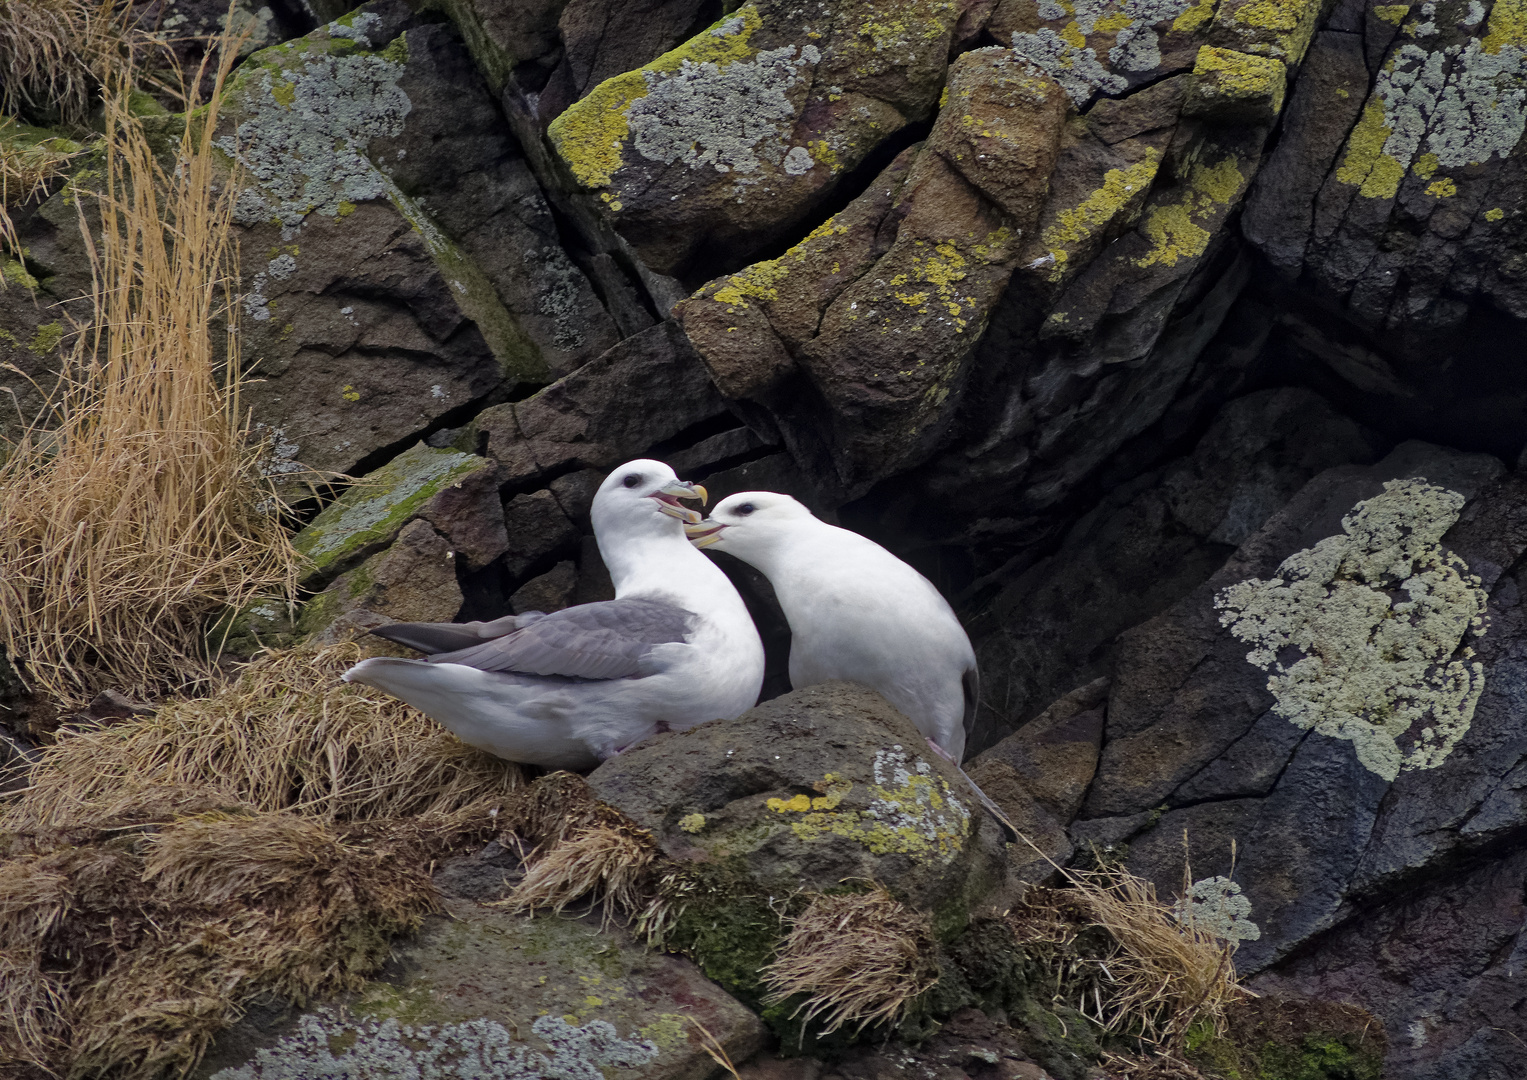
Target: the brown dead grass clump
pixel 584 849
pixel 859 959
pixel 135 509
pixel 57 53
pixel 285 734
pixel 1114 952
pixel 124 957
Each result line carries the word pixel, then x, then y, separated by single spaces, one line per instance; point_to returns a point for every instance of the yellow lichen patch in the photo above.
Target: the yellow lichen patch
pixel 823 152
pixel 1495 214
pixel 1442 188
pixel 1172 229
pixel 1376 174
pixel 1280 28
pixel 1195 16
pixel 349 393
pixel 1394 14
pixel 911 811
pixel 758 281
pixel 591 134
pixel 1076 225
pixel 1116 20
pixel 1227 73
pixel 1425 166
pixel 1507 26
pixel 1073 35
pixel 284 92
pixel 692 823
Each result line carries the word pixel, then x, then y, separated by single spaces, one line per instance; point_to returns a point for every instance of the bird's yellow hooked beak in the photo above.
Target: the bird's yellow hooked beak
pixel 703 533
pixel 668 497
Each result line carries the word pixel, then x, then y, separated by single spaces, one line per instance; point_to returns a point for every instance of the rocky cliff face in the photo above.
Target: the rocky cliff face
pixel 1181 342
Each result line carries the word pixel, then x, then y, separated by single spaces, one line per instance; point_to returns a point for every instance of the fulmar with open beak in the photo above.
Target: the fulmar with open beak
pixel 675 648
pixel 856 612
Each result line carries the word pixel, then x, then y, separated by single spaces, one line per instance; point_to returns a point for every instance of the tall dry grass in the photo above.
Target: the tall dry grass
pixel 56 54
pixel 135 509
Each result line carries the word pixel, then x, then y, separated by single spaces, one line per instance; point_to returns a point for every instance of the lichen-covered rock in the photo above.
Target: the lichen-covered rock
pixel 1410 124
pixel 481 995
pixel 1336 698
pixel 372 317
pixel 414 580
pixel 882 305
pixel 421 482
pixel 1146 545
pixel 728 141
pixel 821 785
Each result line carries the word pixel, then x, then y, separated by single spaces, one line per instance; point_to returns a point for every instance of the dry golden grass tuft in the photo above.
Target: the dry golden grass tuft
pixel 285 734
pixel 124 957
pixel 859 959
pixel 57 53
pixel 584 849
pixel 136 509
pixel 1113 951
pixel 1167 976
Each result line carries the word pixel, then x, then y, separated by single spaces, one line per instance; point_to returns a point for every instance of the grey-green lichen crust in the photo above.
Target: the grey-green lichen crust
pixel 1378 618
pixel 1215 906
pixel 372 512
pixel 1077 66
pixel 330 1046
pixel 309 122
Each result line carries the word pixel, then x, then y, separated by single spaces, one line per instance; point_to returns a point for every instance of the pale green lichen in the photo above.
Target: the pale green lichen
pixel 374 510
pixel 692 823
pixel 911 811
pixel 1215 905
pixel 591 134
pixel 1176 230
pixel 329 1045
pixel 1378 617
pixel 1463 104
pixel 309 119
pixel 46 339
pixel 1134 25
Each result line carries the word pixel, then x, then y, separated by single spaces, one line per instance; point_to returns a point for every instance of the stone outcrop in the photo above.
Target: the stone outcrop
pixel 1179 342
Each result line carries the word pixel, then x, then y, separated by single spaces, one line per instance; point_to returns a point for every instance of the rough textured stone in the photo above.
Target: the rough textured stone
pixel 1401 735
pixel 1147 544
pixel 1039 775
pixel 647 389
pixel 882 305
pixel 448 488
pixel 414 580
pixel 481 995
pixel 537 527
pixel 366 321
pixel 733 137
pixel 806 790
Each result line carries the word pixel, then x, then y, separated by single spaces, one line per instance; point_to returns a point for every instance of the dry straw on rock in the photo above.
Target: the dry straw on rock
pixel 272 837
pixel 286 734
pixel 124 957
pixel 862 959
pixel 136 509
pixel 584 849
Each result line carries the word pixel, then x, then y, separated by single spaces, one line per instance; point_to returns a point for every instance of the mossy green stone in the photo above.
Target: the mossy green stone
pixel 370 514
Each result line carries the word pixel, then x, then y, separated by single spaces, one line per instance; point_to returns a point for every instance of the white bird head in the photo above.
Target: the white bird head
pixel 640 496
pixel 747 522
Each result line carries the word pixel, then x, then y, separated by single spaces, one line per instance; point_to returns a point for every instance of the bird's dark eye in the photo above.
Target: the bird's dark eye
pixel 745 509
pixel 632 479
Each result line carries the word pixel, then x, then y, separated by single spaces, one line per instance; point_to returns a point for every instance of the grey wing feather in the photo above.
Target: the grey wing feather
pixel 606 640
pixel 450 637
